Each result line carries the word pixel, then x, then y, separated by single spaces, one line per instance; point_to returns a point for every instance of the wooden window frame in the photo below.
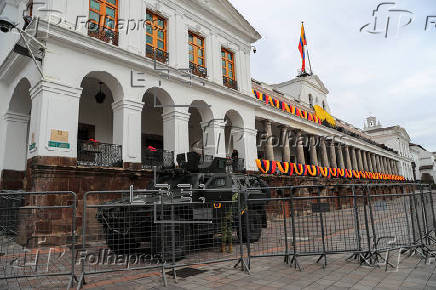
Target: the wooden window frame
pixel 227 59
pixel 154 24
pixel 196 48
pixel 103 16
pixel 227 62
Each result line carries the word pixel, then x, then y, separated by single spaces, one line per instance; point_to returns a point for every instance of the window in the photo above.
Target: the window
pixel 103 20
pixel 156 39
pixel 197 62
pixel 310 100
pixel 228 64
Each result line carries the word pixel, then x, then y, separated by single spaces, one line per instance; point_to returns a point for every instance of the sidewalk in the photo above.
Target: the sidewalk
pixel 272 273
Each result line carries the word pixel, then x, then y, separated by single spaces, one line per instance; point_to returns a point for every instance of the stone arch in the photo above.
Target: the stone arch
pixel 17 121
pixel 234 133
pixel 96 115
pixel 110 82
pixel 155 134
pixel 163 98
pixel 201 128
pixel 21 102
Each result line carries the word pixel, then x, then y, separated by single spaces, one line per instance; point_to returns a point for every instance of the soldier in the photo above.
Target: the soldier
pixel 227 226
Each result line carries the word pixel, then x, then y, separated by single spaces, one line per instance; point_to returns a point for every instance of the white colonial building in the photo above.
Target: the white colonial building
pixel 425 163
pixel 123 78
pixel 394 137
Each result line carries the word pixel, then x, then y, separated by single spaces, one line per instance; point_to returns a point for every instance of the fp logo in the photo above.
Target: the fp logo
pixel 388 20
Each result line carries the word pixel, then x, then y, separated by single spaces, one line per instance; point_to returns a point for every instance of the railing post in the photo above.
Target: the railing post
pixel 371 217
pixel 244 266
pixel 294 238
pixel 283 202
pixel 73 240
pixel 247 228
pixel 356 219
pixel 432 209
pixel 407 216
pixel 365 206
pixel 321 220
pixel 424 215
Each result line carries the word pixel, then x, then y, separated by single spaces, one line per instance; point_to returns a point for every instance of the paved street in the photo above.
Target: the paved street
pixel 272 273
pixel 267 273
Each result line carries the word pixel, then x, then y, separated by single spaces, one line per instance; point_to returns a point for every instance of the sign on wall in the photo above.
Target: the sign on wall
pixel 32 145
pixel 59 139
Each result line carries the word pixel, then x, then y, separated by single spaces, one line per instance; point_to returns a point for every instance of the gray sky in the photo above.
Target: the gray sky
pixel 392 78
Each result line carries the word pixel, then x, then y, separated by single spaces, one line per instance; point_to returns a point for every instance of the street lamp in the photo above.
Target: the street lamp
pixel 7 25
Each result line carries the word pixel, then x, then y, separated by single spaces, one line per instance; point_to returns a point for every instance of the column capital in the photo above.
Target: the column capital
pixel 284 130
pixel 297 131
pixel 127 104
pixel 56 88
pixel 216 123
pixel 267 121
pixel 247 131
pixel 16 117
pixel 176 115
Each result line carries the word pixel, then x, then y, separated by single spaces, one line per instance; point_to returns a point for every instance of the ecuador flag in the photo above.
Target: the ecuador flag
pixel 303 42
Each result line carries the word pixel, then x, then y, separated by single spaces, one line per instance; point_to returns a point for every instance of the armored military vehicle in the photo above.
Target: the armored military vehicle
pixel 201 195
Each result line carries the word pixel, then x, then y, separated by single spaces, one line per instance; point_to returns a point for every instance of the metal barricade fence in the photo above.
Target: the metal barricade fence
pixel 37 234
pixel 164 229
pixel 119 233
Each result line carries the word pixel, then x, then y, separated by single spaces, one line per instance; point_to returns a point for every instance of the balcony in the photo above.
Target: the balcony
pixel 96 154
pixel 198 70
pixel 156 53
pixel 103 34
pixel 230 83
pixel 158 158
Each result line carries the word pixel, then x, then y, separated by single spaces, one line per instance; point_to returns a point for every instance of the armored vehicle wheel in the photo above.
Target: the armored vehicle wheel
pixel 255 226
pixel 162 243
pixel 120 243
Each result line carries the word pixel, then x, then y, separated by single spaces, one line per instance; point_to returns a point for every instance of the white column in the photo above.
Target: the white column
pixel 54 120
pixel 268 147
pixel 180 51
pixel 127 128
pixel 176 131
pixel 14 141
pixel 244 79
pixel 214 138
pixel 286 151
pixel 213 59
pixel 132 36
pixel 2 143
pixel 244 141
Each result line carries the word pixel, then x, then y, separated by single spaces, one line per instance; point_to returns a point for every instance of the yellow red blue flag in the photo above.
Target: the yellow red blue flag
pixel 303 42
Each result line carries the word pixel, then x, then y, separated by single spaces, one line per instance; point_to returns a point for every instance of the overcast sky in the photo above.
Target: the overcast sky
pixel 391 78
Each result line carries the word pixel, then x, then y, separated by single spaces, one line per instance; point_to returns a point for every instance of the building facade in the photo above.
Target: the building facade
pixel 425 164
pixel 394 137
pixel 122 80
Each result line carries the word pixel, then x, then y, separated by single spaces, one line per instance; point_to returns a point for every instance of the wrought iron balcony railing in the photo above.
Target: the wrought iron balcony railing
pixel 230 83
pixel 106 35
pixel 96 154
pixel 158 158
pixel 198 70
pixel 156 53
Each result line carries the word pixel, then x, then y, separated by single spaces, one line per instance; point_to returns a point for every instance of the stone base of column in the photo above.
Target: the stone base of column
pixel 12 179
pixel 51 161
pixel 132 165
